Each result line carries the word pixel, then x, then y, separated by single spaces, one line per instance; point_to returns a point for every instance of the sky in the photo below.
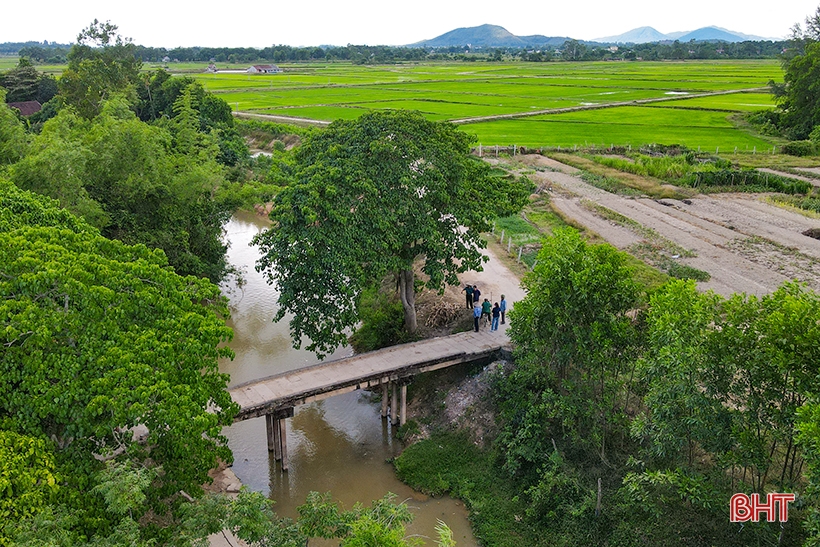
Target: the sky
pixel 261 23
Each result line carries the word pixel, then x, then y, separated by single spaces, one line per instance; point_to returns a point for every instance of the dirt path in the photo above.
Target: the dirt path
pixel 746 245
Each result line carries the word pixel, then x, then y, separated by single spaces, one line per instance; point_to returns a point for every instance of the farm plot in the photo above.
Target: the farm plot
pixel 627 125
pixel 736 102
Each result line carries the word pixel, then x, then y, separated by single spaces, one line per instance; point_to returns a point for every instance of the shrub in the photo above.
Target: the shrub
pixel 382 325
pixel 800 148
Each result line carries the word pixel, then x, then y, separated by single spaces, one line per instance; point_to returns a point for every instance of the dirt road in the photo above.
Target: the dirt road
pixel 745 244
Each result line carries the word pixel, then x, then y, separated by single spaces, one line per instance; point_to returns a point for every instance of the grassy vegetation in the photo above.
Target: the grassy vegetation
pixel 469 473
pixel 617 181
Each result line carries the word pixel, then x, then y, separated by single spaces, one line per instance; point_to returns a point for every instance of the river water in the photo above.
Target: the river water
pixel 338 445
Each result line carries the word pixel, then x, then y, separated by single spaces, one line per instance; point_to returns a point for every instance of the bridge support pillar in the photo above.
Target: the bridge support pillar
pixel 277 439
pixel 283 440
pixel 403 414
pixel 394 411
pixel 384 399
pixel 269 427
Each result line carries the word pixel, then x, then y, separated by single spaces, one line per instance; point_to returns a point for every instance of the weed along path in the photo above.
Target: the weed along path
pixel 745 244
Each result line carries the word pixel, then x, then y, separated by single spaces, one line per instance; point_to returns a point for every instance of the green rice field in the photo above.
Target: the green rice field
pixel 459 91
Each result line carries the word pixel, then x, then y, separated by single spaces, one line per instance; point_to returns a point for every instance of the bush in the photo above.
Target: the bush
pixel 745 180
pixel 382 322
pixel 800 148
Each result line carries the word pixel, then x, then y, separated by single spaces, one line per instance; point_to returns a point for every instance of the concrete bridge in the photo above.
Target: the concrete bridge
pixel 389 369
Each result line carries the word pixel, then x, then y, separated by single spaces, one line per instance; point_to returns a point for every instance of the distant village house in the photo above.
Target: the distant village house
pixel 264 69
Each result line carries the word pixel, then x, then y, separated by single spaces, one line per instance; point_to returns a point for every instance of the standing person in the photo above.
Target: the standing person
pixel 496 315
pixel 468 293
pixel 476 294
pixel 486 307
pixel 503 308
pixel 476 315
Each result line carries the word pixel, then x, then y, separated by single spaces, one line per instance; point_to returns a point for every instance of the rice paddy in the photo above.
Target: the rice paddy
pixel 459 91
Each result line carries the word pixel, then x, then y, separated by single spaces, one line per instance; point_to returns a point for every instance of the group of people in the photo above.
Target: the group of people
pixel 484 309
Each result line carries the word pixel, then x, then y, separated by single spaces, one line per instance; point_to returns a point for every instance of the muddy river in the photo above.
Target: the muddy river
pixel 340 444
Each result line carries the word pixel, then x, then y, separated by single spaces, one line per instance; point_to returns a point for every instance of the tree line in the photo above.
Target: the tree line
pixel 571 50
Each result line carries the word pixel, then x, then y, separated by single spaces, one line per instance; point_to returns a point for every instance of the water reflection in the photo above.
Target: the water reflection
pixel 340 444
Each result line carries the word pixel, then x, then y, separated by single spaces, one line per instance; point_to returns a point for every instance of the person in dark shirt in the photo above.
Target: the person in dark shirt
pixel 468 294
pixel 476 294
pixel 486 308
pixel 496 316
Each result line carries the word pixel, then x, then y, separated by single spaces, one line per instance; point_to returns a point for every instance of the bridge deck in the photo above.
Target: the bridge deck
pixel 286 390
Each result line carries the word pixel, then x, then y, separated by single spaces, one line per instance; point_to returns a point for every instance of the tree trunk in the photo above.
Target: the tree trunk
pixel 407 293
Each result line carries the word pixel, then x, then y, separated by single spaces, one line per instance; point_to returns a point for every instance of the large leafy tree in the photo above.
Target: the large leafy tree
pixel 101 63
pixel 798 97
pixel 573 340
pixel 24 83
pixel 372 196
pixel 99 338
pixel 137 182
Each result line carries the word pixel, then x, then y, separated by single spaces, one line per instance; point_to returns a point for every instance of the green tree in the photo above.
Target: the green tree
pixel 373 195
pixel 24 83
pixel 573 345
pixel 99 64
pixel 13 140
pixel 798 97
pixel 27 478
pixel 129 179
pixel 684 408
pixel 100 338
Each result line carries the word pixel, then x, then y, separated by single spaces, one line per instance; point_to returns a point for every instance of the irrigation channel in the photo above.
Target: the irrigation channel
pixel 340 444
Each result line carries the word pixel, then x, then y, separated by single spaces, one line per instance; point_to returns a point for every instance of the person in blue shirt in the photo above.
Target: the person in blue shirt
pixel 476 315
pixel 503 307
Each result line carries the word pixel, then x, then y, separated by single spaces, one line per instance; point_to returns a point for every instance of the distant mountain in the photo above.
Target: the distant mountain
pixel 643 35
pixel 716 33
pixel 640 35
pixel 488 36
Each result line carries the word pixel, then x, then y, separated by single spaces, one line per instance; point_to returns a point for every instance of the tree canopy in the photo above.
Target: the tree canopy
pixel 371 196
pixel 99 338
pixel 99 64
pixel 798 97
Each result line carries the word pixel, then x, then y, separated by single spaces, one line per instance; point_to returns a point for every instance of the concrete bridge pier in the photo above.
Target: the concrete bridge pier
pixel 384 398
pixel 277 435
pixel 394 411
pixel 403 404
